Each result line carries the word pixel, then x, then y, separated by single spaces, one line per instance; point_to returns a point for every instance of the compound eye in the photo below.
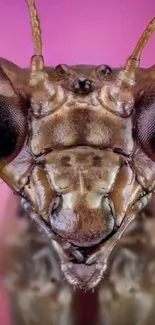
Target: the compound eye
pixel 145 126
pixel 13 127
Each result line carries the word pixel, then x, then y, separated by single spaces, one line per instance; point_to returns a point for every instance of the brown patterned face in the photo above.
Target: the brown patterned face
pixel 81 166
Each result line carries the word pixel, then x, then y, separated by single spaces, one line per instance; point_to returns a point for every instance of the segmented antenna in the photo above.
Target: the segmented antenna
pixel 134 60
pixel 37 59
pixel 141 44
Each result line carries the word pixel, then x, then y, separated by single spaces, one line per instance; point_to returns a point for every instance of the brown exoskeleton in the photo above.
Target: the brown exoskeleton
pixel 77 144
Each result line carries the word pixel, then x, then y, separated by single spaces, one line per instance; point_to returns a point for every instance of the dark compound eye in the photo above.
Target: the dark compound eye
pixel 104 70
pixel 13 128
pixel 8 141
pixel 145 124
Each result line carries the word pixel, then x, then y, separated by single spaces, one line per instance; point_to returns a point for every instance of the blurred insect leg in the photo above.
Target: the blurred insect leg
pixel 127 294
pixel 37 293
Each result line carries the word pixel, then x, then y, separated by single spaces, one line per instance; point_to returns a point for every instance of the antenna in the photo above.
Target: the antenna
pixel 133 61
pixel 37 60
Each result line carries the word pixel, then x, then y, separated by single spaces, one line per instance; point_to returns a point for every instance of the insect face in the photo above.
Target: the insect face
pixel 76 170
pixel 80 164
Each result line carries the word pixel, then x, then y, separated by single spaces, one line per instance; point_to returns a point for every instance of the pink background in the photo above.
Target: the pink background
pixel 75 31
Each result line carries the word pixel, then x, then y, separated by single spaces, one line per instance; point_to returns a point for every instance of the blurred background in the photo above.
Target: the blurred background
pixel 79 31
